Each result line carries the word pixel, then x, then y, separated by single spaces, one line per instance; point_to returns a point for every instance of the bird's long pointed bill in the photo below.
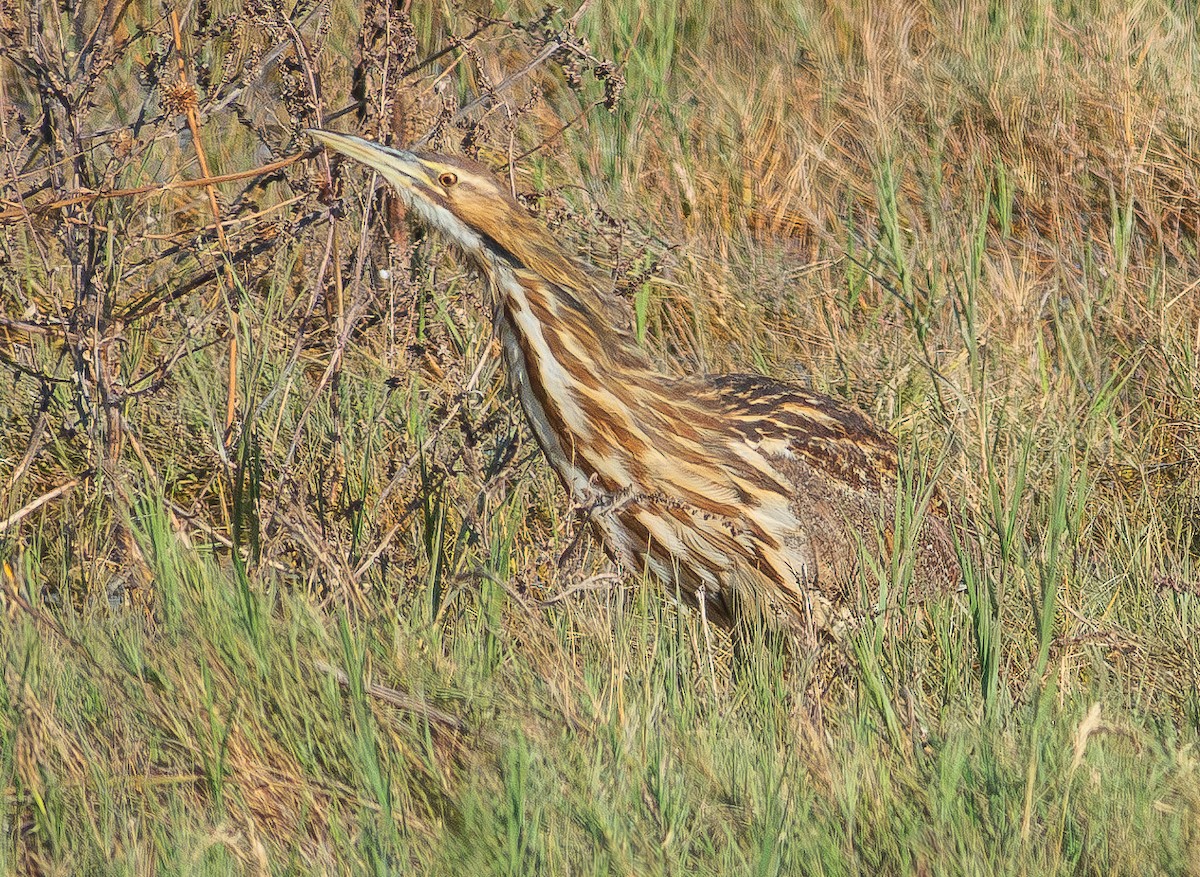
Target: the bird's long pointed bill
pixel 399 167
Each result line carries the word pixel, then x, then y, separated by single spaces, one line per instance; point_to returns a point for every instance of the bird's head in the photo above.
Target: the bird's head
pixel 463 200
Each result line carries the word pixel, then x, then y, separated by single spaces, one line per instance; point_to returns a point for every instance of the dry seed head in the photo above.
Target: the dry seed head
pixel 122 143
pixel 179 97
pixel 614 84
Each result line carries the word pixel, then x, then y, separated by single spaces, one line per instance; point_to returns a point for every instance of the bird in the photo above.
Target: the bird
pixel 752 499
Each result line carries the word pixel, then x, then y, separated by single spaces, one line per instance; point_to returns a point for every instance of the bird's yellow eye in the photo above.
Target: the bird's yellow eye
pixel 447 179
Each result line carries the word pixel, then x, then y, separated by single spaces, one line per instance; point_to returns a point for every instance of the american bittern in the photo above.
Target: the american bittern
pixel 746 494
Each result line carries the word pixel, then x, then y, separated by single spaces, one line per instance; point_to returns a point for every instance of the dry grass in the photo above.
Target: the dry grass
pixel 290 588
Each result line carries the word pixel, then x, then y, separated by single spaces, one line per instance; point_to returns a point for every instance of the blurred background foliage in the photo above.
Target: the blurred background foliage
pixel 289 586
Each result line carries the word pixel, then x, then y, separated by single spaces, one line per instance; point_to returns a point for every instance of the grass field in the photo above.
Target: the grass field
pixel 289 588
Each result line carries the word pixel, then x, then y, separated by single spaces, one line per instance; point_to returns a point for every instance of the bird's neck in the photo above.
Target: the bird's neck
pixel 564 354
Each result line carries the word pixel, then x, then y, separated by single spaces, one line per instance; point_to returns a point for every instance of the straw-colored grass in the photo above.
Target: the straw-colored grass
pixel 289 588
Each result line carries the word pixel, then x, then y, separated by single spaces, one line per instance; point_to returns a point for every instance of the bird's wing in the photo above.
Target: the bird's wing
pixel 788 422
pixel 844 476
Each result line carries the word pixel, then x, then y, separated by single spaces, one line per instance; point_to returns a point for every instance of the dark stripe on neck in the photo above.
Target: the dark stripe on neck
pixel 496 249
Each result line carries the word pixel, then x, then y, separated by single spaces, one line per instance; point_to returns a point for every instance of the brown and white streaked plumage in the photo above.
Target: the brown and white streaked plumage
pixel 751 494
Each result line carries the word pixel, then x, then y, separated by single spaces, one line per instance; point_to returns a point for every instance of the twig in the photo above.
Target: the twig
pixel 356 308
pixel 104 22
pixel 547 50
pixel 702 600
pixel 424 62
pixel 261 68
pixel 180 514
pixel 398 699
pixel 31 507
pixel 362 568
pixel 343 322
pixel 194 124
pixel 558 132
pixel 35 446
pixel 175 291
pixel 449 417
pixel 283 384
pixel 176 523
pixel 591 583
pixel 16 211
